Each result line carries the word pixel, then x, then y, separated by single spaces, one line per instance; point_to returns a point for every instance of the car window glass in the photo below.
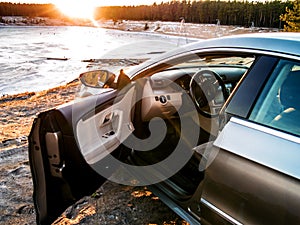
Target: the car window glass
pixel 279 103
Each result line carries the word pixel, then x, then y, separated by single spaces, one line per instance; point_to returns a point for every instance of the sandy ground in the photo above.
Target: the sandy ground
pixel 17 114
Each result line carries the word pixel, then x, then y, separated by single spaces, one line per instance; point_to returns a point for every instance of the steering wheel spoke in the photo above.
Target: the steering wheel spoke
pixel 208 91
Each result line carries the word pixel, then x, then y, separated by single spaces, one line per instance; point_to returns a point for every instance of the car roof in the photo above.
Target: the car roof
pixel 286 43
pixel 281 42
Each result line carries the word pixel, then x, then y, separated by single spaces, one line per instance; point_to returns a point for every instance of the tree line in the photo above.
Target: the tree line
pixel 29 10
pixel 260 14
pixel 243 13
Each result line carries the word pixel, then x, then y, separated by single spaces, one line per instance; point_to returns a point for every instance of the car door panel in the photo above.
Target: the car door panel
pixel 61 174
pixel 103 132
pixel 242 185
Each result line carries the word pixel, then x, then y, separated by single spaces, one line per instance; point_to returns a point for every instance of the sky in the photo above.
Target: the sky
pixel 94 2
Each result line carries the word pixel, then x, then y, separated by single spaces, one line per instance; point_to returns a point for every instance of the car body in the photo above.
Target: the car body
pixel 212 128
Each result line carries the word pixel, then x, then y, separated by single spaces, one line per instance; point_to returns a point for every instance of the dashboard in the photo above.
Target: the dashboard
pixel 162 93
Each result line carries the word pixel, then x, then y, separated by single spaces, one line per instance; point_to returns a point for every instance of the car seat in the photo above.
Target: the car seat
pixel 289 96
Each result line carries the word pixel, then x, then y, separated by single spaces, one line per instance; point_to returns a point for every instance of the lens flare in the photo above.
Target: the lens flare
pixel 76 9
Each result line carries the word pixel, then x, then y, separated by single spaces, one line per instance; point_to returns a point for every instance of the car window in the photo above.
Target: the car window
pixel 279 103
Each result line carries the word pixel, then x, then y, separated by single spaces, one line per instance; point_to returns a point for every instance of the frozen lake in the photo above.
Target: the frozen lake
pixel 29 55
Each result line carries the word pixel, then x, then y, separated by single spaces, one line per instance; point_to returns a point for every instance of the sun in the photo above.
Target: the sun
pixel 76 9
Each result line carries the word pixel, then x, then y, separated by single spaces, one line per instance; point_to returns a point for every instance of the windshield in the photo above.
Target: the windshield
pixel 223 61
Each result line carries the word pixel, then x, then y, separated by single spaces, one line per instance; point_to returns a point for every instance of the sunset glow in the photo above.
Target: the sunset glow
pixel 76 9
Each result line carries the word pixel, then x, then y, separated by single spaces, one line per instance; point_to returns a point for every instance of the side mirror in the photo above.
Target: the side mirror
pixel 97 78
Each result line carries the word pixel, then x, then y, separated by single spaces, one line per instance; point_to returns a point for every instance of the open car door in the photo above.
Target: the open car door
pixel 65 143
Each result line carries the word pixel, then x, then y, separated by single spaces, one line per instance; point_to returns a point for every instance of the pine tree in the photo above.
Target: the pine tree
pixel 292 18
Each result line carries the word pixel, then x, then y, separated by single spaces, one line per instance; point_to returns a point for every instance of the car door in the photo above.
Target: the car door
pixel 253 174
pixel 65 143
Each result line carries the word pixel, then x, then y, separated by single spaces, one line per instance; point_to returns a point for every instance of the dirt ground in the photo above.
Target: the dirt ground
pixel 110 204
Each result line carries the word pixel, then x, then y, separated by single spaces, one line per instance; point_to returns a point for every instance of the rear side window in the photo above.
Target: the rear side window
pixel 279 103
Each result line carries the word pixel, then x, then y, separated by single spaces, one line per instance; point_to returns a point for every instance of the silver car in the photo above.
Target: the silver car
pixel 212 128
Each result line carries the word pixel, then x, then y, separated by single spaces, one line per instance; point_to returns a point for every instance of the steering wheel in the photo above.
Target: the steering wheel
pixel 208 91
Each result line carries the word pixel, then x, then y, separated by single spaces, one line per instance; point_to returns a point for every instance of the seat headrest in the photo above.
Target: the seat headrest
pixel 290 91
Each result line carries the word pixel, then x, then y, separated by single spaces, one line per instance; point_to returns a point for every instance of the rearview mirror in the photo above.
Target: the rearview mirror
pixel 97 78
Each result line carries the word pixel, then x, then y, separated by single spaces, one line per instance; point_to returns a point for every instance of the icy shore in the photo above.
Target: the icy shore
pixel 179 28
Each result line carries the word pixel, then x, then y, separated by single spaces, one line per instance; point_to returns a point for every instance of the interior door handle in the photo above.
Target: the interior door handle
pixel 107 118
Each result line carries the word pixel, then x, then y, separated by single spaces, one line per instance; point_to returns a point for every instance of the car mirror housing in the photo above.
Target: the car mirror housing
pixel 97 78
